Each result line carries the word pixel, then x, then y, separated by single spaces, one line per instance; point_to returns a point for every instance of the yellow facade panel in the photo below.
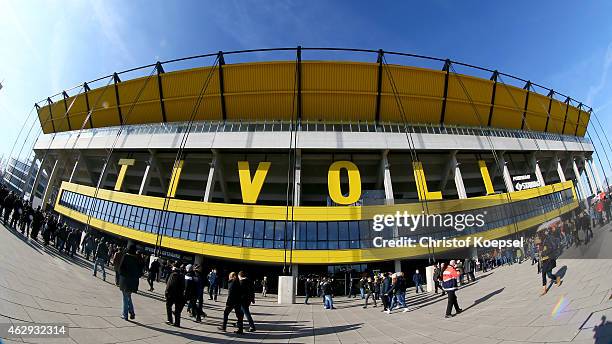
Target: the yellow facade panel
pixel 464 113
pixel 510 97
pixel 339 107
pixel 571 121
pixel 557 110
pixel 538 104
pixel 583 123
pixel 339 76
pixel 105 117
pixel 180 109
pixel 535 121
pixel 190 82
pixel 142 112
pixel 460 86
pixel 45 121
pixel 77 119
pixel 259 77
pixel 141 90
pixel 507 118
pixel 555 125
pixel 259 106
pixel 416 109
pixel 412 81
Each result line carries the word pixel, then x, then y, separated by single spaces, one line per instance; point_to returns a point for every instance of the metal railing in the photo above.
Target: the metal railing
pixel 318 126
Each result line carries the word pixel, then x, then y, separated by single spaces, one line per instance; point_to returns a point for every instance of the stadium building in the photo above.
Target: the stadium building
pixel 285 163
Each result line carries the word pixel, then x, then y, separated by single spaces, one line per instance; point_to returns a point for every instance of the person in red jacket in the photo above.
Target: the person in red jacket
pixel 449 284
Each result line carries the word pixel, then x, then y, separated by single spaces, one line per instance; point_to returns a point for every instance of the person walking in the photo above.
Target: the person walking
pixel 191 290
pixel 548 259
pixel 417 279
pixel 386 288
pixel 449 283
pixel 100 258
pixel 307 289
pixel 175 295
pixel 368 289
pixel 328 296
pixel 248 297
pixel 264 286
pixel 213 285
pixel 153 273
pixel 233 302
pixel 199 293
pixel 361 286
pixel 129 275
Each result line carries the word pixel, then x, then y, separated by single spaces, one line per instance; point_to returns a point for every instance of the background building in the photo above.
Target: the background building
pixel 19 177
pixel 284 163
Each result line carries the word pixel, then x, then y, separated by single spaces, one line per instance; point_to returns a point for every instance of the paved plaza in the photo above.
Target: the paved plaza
pixel 504 306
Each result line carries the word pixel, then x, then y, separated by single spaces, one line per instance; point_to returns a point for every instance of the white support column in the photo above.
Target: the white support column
pixel 37 178
pixel 146 178
pixel 600 185
pixel 580 184
pixel 507 178
pixel 50 183
pixel 287 285
pixel 389 200
pixel 538 172
pixel 458 177
pixel 210 181
pixel 590 177
pixel 74 169
pixel 560 170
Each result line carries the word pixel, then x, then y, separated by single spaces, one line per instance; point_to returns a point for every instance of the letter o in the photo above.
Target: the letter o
pixel 333 182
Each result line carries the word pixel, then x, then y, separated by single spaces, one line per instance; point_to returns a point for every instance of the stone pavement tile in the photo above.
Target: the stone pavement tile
pixel 351 337
pixel 554 334
pixel 516 333
pixel 116 321
pixel 87 321
pixel 90 336
pixel 14 311
pixel 175 339
pixel 17 297
pixel 42 316
pixel 408 338
pixel 124 334
pixel 481 330
pixel 477 340
pixel 49 340
pixel 550 320
pixel 302 340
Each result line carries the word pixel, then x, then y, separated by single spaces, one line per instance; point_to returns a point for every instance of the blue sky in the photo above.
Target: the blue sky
pixel 48 46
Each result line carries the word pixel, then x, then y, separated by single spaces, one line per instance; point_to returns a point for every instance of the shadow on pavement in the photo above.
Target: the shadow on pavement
pixel 603 332
pixel 484 298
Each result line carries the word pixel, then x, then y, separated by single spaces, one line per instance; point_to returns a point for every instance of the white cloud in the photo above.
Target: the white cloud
pixel 596 89
pixel 111 24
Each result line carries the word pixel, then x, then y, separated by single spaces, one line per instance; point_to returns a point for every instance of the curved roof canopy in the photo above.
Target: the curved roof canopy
pixel 330 91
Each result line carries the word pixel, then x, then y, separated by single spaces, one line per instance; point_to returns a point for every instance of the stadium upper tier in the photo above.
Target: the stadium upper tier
pixel 316 91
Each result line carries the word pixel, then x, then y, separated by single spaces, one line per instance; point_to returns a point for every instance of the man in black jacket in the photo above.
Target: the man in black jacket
pixel 248 297
pixel 175 295
pixel 100 258
pixel 130 270
pixel 234 301
pixel 153 273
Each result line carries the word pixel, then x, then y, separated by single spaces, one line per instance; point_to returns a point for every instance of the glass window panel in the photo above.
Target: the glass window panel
pixel 269 234
pixel 344 244
pixel 365 228
pixel 202 228
pixel 279 244
pixel 239 230
pixel 219 232
pixel 178 222
pixel 279 233
pixel 229 229
pixel 186 223
pixel 302 232
pixel 248 229
pixel 268 243
pixel 322 245
pixel 193 225
pixel 322 231
pixel 343 231
pixel 238 240
pixel 259 230
pixel 332 231
pixel 311 231
pixel 211 226
pixel 192 235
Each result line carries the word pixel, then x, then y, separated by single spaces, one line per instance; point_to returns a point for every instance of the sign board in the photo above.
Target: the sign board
pixel 525 181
